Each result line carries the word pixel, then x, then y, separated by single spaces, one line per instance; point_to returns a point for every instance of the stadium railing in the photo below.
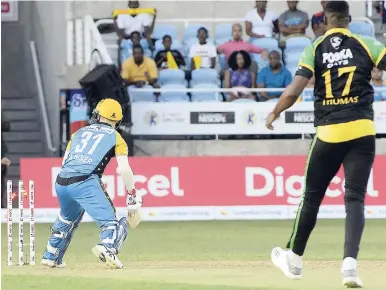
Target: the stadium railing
pixel 227 118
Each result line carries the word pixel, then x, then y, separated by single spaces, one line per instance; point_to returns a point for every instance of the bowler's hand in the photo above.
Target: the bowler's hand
pixel 270 119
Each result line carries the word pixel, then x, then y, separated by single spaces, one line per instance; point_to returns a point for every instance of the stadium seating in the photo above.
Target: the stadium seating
pixel 176 44
pixel 292 69
pixel 243 101
pixel 219 41
pixel 267 43
pixel 222 60
pixel 174 96
pixel 260 62
pixel 136 95
pixel 291 58
pixel 297 43
pixel 171 76
pixel 206 96
pixel 128 52
pixel 191 31
pixel 201 76
pixel 223 31
pixel 361 28
pixel 308 97
pixel 126 43
pixel 160 30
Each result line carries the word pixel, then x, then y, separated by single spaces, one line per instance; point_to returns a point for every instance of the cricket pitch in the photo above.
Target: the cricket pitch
pixel 202 256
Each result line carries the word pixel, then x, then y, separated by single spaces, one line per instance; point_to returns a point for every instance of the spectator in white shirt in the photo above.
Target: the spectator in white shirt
pixel 261 22
pixel 203 54
pixel 143 23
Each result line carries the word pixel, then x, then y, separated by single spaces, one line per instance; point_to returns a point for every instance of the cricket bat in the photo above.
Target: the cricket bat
pixel 134 218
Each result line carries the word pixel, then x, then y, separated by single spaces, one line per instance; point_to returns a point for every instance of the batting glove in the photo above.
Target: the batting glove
pixel 133 201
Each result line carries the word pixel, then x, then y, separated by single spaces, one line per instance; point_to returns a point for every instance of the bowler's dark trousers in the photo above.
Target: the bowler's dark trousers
pixel 324 161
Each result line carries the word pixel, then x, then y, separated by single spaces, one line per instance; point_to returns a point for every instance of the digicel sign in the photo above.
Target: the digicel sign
pixel 207 181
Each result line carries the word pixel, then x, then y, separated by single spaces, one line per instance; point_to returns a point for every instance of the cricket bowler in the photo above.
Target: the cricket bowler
pixel 79 187
pixel 345 134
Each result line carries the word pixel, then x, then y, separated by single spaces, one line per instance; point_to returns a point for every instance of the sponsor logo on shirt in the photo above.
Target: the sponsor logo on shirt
pixel 337 58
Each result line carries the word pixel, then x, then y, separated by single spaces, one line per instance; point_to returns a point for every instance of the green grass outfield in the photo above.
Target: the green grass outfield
pixel 201 256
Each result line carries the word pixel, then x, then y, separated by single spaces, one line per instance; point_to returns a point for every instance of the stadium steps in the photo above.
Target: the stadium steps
pixel 19 98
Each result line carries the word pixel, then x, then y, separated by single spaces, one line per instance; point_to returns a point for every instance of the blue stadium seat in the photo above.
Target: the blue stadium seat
pixel 222 60
pixel 291 58
pixel 160 30
pixel 136 95
pixel 148 53
pixel 292 69
pixel 191 31
pixel 174 96
pixel 206 96
pixel 362 28
pixel 243 101
pixel 204 76
pixel 127 44
pixel 267 43
pixel 127 52
pixel 171 76
pixel 176 44
pixel 297 43
pixel 260 62
pixel 307 96
pixel 223 30
pixel 219 41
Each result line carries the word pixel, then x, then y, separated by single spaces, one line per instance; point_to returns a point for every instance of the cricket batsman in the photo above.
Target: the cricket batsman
pixel 79 187
pixel 341 62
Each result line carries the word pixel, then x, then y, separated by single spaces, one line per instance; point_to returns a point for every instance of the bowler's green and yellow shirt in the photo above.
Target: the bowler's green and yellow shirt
pixel 342 63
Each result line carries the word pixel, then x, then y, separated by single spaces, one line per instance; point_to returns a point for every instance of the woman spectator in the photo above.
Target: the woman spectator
pixel 239 76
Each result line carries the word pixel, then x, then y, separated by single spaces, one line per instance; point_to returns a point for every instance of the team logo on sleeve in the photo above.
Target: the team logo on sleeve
pixel 335 42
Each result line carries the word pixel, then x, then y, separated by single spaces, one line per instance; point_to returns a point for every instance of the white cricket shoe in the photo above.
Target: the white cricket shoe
pixel 350 273
pixel 52 264
pixel 281 259
pixel 107 256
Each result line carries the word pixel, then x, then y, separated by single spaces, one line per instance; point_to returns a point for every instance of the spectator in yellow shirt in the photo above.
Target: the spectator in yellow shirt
pixel 139 70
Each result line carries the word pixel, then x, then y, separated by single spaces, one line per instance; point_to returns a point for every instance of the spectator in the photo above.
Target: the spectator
pixel 293 22
pixel 381 9
pixel 5 162
pixel 141 22
pixel 237 43
pixel 273 76
pixel 203 54
pixel 317 21
pixel 239 76
pixel 135 38
pixel 261 22
pixel 139 70
pixel 169 58
pixel 377 81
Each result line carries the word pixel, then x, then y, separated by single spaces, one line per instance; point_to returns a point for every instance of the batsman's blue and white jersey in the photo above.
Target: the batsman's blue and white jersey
pixel 90 150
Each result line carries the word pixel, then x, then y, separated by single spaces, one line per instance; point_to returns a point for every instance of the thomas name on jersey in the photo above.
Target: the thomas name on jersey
pixel 337 58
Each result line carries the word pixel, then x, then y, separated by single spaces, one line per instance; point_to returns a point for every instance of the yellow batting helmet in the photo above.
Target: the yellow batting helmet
pixel 110 109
